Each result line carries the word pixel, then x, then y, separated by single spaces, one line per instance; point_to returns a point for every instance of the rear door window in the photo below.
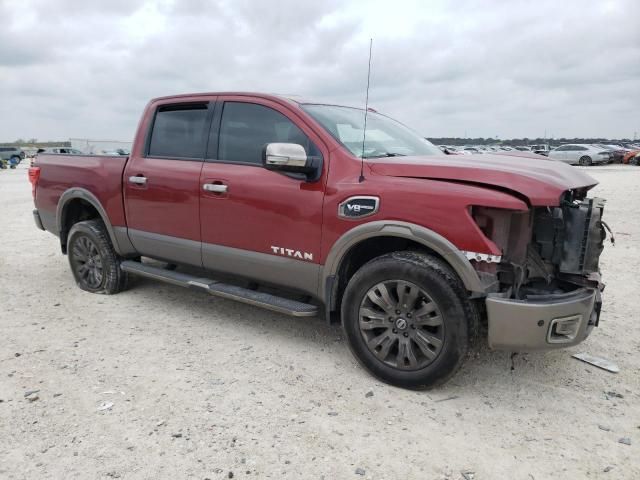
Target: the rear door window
pixel 179 131
pixel 246 128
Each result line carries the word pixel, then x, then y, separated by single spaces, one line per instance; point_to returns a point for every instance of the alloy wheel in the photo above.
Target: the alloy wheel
pixel 87 261
pixel 401 325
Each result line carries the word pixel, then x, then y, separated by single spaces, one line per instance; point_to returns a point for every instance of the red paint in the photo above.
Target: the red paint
pixel 262 208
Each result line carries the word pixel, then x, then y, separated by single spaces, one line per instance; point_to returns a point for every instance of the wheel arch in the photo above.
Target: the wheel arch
pixel 388 236
pixel 80 204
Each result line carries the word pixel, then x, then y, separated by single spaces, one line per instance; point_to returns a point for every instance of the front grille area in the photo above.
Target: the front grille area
pixel 571 236
pixel 584 236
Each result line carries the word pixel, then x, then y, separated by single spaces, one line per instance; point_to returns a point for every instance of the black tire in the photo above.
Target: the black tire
pixel 438 285
pixel 94 263
pixel 585 161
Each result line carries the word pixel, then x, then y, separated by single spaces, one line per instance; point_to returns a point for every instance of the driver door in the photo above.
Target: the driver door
pixel 254 222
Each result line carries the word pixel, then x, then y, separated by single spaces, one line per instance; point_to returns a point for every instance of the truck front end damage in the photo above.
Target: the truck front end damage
pixel 544 292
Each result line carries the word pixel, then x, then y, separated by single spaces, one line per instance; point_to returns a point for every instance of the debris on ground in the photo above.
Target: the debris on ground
pixel 613 394
pixel 105 406
pixel 468 475
pixel 625 441
pixel 369 394
pixel 608 469
pixel 32 395
pixel 597 361
pixel 604 427
pixel 360 471
pixel 452 397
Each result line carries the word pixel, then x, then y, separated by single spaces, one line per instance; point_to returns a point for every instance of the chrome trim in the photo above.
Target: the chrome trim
pixel 342 206
pixel 215 187
pixel 482 257
pixel 289 154
pixel 138 180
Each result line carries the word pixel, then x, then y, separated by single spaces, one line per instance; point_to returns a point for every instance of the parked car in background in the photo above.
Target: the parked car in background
pixel 473 150
pixel 449 150
pixel 581 154
pixel 630 155
pixel 523 149
pixel 540 149
pixel 617 152
pixel 11 156
pixel 62 150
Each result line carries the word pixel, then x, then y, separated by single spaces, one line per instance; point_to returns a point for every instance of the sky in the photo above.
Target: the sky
pixel 511 69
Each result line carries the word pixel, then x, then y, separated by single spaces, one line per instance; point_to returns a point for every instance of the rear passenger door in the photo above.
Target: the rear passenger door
pixel 255 222
pixel 162 183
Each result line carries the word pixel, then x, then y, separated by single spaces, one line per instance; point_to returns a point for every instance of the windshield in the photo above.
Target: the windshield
pixel 385 137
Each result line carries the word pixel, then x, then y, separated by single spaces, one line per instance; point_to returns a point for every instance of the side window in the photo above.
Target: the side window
pixel 178 131
pixel 246 128
pixel 581 148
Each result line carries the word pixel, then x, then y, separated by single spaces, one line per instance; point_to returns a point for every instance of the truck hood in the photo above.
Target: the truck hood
pixel 542 181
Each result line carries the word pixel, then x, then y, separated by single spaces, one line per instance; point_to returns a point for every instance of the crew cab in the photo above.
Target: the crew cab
pixel 291 206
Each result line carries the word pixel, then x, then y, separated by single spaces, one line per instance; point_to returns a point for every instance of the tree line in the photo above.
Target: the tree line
pixel 521 141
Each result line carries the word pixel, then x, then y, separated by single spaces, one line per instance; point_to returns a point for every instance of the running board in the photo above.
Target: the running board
pixel 224 290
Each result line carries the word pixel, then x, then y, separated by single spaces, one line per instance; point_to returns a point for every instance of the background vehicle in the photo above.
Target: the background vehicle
pixel 616 152
pixel 473 150
pixel 540 149
pixel 409 249
pixel 12 156
pixel 63 150
pixel 580 154
pixel 628 156
pixel 449 150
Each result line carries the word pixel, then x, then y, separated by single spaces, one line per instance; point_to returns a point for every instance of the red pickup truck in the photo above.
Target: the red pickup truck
pixel 413 251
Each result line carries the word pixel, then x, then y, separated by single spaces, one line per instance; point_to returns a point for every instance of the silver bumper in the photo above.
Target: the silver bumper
pixel 552 321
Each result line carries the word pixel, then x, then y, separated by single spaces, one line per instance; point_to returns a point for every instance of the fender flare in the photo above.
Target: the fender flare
pixel 118 235
pixel 390 228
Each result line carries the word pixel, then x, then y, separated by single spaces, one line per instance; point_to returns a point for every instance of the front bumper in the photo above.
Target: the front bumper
pixel 545 323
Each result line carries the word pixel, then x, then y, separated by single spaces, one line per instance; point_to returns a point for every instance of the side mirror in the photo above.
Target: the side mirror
pixel 289 157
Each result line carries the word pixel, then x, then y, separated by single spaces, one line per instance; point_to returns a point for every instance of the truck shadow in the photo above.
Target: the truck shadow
pixel 313 334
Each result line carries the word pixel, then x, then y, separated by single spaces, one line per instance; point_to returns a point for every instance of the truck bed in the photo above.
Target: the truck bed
pixel 101 175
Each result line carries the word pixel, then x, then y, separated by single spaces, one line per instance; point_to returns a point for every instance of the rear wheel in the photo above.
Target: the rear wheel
pixel 94 263
pixel 585 161
pixel 407 319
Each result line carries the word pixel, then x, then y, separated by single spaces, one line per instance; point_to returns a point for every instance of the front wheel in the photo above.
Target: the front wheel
pixel 407 319
pixel 94 263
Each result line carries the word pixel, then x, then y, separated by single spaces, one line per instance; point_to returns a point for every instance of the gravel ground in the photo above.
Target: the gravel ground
pixel 161 382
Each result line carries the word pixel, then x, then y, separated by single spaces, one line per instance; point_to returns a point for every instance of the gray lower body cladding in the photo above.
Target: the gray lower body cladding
pixel 555 321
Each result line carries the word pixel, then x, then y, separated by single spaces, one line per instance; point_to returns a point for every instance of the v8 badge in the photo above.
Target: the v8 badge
pixel 358 207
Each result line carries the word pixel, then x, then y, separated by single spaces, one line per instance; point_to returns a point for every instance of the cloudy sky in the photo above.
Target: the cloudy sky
pixel 82 68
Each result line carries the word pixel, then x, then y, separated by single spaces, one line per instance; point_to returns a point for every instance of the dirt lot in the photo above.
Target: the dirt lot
pixel 207 388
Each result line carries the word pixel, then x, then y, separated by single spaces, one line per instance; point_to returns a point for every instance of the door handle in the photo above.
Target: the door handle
pixel 215 187
pixel 138 180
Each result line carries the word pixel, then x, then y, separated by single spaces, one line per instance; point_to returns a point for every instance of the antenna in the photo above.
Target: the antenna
pixel 366 110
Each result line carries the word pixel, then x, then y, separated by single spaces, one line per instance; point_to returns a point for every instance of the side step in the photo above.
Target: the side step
pixel 225 290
